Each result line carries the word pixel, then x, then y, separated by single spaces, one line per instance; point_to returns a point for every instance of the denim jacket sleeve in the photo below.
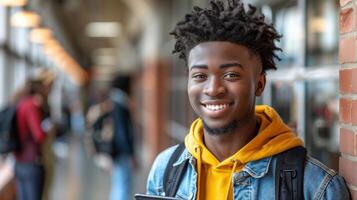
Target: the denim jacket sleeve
pixel 336 189
pixel 155 179
pixel 323 183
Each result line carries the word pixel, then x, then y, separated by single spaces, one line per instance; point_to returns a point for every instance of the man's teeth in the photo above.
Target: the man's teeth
pixel 217 107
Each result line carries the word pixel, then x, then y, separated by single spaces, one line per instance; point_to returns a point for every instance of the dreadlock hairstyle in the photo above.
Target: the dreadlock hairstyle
pixel 230 23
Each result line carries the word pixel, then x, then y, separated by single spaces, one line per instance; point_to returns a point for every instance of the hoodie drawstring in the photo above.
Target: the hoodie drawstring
pixel 235 163
pixel 199 166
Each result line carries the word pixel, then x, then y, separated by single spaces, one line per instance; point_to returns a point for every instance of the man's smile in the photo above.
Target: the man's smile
pixel 213 107
pixel 216 108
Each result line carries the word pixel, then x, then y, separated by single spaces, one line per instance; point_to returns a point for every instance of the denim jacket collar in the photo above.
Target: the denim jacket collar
pixel 256 169
pixel 184 156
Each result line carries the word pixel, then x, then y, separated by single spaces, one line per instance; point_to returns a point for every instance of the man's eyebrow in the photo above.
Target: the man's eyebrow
pixel 198 67
pixel 231 65
pixel 227 65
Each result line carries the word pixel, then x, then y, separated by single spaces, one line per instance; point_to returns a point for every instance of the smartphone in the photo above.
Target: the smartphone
pixel 152 197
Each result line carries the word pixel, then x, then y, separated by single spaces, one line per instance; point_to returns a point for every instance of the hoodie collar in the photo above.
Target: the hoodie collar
pixel 274 137
pixel 256 169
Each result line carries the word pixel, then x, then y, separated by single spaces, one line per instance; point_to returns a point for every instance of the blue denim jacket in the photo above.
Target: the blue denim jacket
pixel 255 181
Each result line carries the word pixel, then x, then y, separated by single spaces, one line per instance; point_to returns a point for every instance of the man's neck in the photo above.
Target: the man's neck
pixel 225 145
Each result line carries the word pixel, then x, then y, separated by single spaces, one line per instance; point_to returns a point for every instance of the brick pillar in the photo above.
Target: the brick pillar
pixel 348 93
pixel 155 102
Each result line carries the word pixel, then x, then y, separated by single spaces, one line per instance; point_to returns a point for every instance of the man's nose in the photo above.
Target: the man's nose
pixel 214 87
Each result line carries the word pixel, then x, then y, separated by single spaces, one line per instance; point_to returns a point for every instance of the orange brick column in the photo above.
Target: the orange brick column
pixel 348 93
pixel 155 93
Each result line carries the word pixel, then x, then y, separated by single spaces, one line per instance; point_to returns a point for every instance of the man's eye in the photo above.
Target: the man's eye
pixel 231 75
pixel 199 76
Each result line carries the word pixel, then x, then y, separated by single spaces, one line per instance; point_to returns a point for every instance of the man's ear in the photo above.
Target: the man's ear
pixel 260 84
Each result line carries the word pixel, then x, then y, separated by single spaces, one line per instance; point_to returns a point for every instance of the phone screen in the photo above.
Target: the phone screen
pixel 152 197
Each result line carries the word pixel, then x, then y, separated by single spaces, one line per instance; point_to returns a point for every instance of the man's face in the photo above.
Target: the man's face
pixel 224 79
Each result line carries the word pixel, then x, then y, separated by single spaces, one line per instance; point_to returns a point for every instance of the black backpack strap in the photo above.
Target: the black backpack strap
pixel 289 174
pixel 174 174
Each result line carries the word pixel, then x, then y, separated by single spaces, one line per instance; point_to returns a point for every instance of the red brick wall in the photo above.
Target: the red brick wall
pixel 155 96
pixel 348 93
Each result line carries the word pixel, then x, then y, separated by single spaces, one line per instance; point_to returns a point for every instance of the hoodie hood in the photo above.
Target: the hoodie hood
pixel 274 137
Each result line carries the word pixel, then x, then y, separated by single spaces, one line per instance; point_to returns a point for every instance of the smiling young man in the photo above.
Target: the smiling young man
pixel 232 149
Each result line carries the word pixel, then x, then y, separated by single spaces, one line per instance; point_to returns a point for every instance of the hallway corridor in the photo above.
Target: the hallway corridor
pixel 78 177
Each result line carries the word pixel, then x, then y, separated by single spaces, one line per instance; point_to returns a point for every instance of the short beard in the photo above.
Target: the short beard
pixel 222 130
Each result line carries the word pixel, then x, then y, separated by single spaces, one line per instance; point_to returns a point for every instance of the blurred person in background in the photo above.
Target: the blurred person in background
pixel 124 161
pixel 113 129
pixel 32 125
pixel 77 119
pixel 235 149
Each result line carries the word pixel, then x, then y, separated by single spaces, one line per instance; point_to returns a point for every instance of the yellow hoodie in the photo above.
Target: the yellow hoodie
pixel 214 177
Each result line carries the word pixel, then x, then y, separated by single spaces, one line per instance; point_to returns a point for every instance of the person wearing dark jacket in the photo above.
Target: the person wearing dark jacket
pixel 123 155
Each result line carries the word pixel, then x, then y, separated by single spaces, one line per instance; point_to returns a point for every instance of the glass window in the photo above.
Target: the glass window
pixel 322 127
pixel 322 32
pixel 20 40
pixel 19 74
pixel 2 25
pixel 282 101
pixel 9 74
pixel 286 21
pixel 308 103
pixel 2 78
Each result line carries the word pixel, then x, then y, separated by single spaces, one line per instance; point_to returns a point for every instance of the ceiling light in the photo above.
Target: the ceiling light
pixel 13 2
pixel 69 66
pixel 40 35
pixel 52 43
pixel 75 72
pixel 318 25
pixel 25 19
pixel 80 77
pixel 103 29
